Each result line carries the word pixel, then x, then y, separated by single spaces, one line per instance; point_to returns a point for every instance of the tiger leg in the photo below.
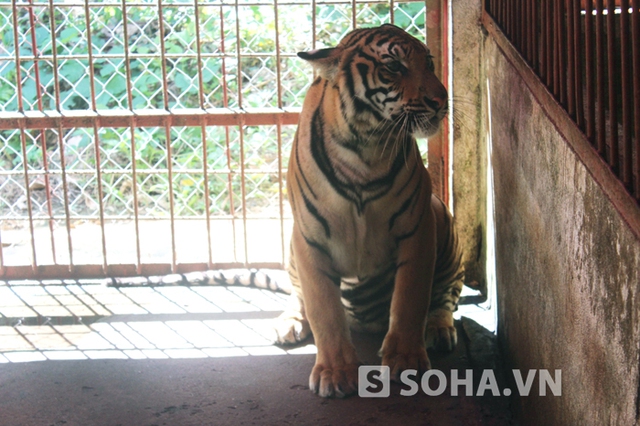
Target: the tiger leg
pixel 292 326
pixel 335 373
pixel 441 333
pixel 447 284
pixel 403 347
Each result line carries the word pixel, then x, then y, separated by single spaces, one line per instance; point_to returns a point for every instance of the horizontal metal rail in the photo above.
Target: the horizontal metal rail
pixel 141 217
pixel 200 4
pixel 121 270
pixel 150 171
pixel 232 4
pixel 185 55
pixel 148 118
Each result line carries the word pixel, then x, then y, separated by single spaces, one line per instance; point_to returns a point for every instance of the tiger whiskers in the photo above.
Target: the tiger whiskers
pixel 462 119
pixel 382 128
pixel 375 134
pixel 425 123
pixel 463 111
pixel 401 137
pixel 393 124
pixel 404 138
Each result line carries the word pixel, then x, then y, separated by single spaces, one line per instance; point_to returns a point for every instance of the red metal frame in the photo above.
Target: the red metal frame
pixel 56 121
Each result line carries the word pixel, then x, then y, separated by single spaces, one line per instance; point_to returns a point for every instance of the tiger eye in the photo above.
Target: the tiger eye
pixel 394 66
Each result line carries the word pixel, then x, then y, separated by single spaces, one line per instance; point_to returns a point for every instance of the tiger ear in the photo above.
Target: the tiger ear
pixel 325 61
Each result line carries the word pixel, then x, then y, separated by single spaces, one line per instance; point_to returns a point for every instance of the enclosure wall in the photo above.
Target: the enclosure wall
pixel 568 261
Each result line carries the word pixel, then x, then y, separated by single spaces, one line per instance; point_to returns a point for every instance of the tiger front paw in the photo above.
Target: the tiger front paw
pixel 441 333
pixel 291 328
pixel 404 353
pixel 334 381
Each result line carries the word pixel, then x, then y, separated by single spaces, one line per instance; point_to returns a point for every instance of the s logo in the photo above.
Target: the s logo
pixel 374 381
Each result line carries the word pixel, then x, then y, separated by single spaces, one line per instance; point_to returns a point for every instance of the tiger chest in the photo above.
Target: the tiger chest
pixel 362 244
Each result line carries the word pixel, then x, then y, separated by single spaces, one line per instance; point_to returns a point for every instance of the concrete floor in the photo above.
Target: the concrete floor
pixel 176 362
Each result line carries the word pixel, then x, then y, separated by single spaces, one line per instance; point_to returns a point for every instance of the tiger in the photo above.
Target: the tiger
pixel 372 248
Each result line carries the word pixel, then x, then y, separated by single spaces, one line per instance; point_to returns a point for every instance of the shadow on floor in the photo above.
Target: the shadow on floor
pixel 247 390
pixel 83 354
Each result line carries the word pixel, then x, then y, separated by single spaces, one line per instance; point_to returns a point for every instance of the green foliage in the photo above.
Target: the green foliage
pixel 224 81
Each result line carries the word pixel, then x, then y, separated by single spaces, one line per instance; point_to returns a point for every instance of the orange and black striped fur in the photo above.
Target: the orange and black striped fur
pixel 372 247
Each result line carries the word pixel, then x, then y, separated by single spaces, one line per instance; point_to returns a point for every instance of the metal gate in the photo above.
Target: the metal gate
pixel 149 137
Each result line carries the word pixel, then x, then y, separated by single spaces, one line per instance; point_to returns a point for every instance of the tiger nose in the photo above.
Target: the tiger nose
pixel 440 102
pixel 436 103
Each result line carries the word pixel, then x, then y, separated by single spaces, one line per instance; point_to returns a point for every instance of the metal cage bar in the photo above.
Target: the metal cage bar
pixel 56 88
pixel 353 14
pixel 589 73
pixel 134 177
pixel 167 132
pixel 203 133
pixel 47 125
pixel 561 53
pixel 597 85
pixel 548 21
pixel 579 61
pixel 34 261
pixel 227 138
pixel 635 48
pixel 45 161
pixel 279 131
pixel 572 64
pixel 243 179
pixel 612 64
pixel 600 77
pixel 626 92
pixel 96 138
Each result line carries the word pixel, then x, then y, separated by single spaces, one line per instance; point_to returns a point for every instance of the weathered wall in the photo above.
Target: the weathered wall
pixel 568 268
pixel 469 156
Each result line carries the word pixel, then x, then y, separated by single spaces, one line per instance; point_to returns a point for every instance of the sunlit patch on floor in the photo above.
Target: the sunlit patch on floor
pixel 71 320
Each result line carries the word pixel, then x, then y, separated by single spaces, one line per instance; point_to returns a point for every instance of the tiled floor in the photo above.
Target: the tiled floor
pixel 88 320
pixel 82 353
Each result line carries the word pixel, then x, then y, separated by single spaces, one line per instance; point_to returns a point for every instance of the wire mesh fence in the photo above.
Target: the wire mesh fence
pixel 147 137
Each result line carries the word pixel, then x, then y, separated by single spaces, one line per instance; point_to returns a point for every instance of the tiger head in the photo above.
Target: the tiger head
pixel 386 80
